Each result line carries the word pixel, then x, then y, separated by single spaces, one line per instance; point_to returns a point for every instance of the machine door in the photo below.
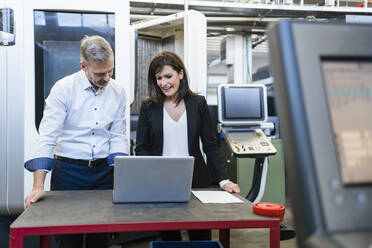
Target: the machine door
pixel 57 38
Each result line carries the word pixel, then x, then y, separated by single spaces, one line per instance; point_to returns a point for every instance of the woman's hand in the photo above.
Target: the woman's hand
pixel 231 187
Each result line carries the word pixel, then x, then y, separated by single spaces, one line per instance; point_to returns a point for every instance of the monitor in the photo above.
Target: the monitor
pixel 323 92
pixel 348 92
pixel 242 104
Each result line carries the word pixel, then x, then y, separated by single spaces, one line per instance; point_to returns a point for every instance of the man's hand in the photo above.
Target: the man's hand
pixel 38 189
pixel 231 187
pixel 34 196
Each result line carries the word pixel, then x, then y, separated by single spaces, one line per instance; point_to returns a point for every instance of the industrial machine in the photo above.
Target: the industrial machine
pixel 243 122
pixel 323 89
pixel 242 115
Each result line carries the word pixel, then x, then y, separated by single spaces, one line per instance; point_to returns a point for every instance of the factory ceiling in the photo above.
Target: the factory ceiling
pixel 226 17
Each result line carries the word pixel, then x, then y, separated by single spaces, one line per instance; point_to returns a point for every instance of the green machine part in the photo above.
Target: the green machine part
pixel 241 171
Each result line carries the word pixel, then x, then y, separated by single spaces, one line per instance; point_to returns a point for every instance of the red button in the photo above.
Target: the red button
pixel 269 209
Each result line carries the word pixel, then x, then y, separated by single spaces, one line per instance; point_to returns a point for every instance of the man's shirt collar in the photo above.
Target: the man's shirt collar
pixel 86 85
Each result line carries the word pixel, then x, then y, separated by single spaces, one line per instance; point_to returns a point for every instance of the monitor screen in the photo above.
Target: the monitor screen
pixel 349 94
pixel 243 103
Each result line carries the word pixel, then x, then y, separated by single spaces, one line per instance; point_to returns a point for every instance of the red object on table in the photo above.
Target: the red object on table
pixel 269 209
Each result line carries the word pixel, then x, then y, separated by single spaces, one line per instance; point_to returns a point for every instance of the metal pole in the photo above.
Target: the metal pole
pixel 186 5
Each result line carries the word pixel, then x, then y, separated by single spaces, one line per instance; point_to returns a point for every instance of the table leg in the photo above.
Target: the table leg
pixel 275 237
pixel 44 241
pixel 225 238
pixel 15 240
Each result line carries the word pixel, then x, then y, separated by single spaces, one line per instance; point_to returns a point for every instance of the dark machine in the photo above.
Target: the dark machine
pixel 323 76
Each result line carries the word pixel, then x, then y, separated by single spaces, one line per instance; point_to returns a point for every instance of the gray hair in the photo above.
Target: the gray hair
pixel 95 48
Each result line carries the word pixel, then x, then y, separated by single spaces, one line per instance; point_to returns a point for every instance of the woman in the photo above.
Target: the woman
pixel 171 122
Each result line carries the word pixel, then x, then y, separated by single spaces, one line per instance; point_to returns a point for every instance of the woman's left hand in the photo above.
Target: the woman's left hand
pixel 231 187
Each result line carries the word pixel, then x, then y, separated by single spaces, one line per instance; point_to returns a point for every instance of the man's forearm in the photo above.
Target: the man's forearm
pixel 39 178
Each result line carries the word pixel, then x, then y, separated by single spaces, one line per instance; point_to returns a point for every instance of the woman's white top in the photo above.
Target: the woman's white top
pixel 175 135
pixel 175 142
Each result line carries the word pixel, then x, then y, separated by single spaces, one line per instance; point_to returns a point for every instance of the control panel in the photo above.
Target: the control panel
pixel 249 143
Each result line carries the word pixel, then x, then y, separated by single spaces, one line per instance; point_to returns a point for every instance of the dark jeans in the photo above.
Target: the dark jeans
pixel 193 235
pixel 66 176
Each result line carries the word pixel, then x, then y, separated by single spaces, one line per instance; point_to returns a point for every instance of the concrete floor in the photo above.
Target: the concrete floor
pixel 239 238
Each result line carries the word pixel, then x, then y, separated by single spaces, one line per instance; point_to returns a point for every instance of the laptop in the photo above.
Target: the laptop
pixel 152 179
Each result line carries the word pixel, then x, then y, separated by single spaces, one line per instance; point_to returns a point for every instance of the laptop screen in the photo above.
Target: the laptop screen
pixel 141 179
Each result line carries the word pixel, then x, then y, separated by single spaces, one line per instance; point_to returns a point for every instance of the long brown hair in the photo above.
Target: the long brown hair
pixel 157 64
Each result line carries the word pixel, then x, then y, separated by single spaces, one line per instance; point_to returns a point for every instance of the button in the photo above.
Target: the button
pixel 337 199
pixel 95 108
pixel 361 198
pixel 96 123
pixel 258 134
pixel 335 184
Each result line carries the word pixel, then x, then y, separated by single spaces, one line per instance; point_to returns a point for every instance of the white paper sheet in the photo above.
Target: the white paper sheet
pixel 216 197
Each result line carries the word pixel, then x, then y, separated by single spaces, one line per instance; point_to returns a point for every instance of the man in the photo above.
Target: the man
pixel 82 130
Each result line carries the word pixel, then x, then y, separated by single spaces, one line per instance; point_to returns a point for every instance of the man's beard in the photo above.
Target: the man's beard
pixel 99 84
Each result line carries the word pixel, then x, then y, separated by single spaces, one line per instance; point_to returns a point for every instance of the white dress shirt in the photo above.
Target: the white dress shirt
pixel 81 123
pixel 175 135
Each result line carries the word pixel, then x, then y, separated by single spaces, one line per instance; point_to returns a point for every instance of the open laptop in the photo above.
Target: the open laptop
pixel 152 179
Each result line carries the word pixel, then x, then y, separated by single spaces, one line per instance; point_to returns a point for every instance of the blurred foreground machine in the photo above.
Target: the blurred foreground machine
pixel 323 88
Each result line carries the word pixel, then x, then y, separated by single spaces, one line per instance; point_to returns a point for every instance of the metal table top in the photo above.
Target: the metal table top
pixel 89 207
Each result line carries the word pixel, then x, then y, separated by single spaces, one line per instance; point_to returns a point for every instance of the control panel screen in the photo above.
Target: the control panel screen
pixel 243 103
pixel 348 85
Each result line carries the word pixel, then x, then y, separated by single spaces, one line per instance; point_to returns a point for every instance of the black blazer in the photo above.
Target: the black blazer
pixel 199 124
